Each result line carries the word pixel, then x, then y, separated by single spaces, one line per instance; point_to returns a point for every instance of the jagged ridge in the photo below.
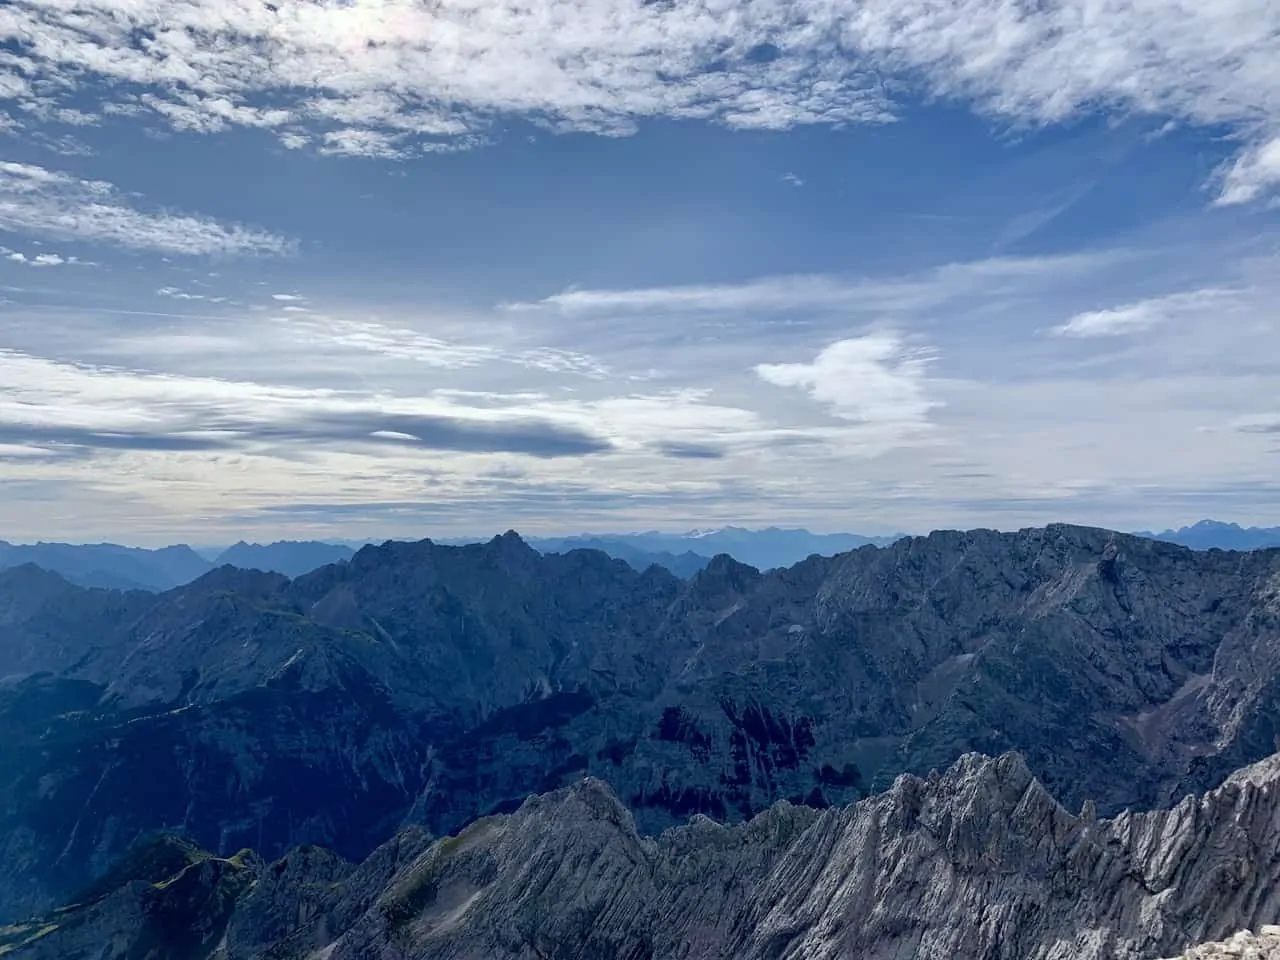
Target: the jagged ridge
pixel 978 863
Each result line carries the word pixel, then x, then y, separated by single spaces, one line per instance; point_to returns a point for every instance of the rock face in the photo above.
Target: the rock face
pixel 978 863
pixel 433 685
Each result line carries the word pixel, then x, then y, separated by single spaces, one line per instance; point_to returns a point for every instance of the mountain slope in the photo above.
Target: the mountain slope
pixel 50 625
pixel 977 863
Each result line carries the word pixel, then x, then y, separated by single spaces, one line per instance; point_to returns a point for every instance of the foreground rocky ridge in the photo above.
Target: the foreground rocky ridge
pixel 1244 945
pixel 434 685
pixel 977 863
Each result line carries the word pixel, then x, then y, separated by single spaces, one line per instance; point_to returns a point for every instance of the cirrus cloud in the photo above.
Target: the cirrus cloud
pixel 390 78
pixel 1143 315
pixel 38 201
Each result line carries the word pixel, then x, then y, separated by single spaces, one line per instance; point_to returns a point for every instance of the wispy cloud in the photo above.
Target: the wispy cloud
pixel 1252 174
pixel 174 293
pixel 43 202
pixel 390 77
pixel 911 292
pixel 405 343
pixel 1145 314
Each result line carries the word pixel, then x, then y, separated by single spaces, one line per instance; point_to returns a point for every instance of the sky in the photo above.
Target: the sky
pixel 365 268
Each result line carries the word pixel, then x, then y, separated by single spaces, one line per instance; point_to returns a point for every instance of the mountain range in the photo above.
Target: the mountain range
pixel 423 688
pixel 1213 534
pixel 684 554
pixel 764 549
pixel 110 565
pixel 117 567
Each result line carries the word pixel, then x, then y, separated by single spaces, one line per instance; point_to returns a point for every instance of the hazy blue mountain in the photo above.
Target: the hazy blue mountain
pixel 1210 534
pixel 763 549
pixel 293 558
pixel 685 553
pixel 110 565
pixel 684 564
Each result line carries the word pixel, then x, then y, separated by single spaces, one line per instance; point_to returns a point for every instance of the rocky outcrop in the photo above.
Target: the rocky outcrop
pixel 977 863
pixel 1244 945
pixel 434 685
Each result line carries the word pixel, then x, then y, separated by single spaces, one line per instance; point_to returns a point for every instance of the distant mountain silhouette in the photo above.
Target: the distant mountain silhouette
pixel 1210 534
pixel 109 564
pixel 293 558
pixel 764 549
pixel 115 567
pixel 684 564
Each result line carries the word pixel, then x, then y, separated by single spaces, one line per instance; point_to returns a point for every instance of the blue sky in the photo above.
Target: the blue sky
pixel 391 268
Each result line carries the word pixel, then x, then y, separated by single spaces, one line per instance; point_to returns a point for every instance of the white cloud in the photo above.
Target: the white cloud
pixel 792 179
pixel 369 76
pixel 43 202
pixel 1145 314
pixel 1252 174
pixel 40 259
pixel 175 293
pixel 287 297
pixel 873 380
pixel 364 143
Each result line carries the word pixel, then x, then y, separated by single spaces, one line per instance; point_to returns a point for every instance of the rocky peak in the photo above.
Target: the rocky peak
pixel 1243 945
